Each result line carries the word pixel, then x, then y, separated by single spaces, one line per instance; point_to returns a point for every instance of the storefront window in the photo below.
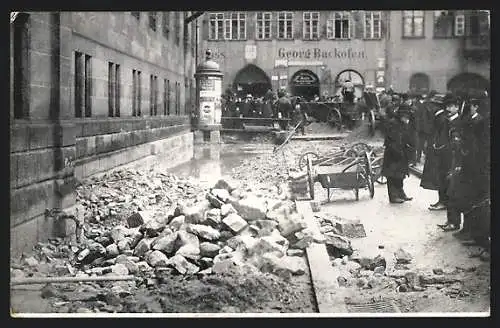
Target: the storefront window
pixel 285 25
pixel 264 26
pixel 310 26
pixel 413 23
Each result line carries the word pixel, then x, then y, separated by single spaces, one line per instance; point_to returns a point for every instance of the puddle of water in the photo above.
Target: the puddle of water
pixel 210 163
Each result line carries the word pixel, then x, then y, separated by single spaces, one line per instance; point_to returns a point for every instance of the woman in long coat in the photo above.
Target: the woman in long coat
pixel 397 154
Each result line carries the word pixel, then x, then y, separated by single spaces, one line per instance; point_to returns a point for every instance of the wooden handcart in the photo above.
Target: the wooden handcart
pixel 346 169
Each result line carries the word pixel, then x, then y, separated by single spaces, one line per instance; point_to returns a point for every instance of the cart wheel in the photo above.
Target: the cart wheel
pixel 371 120
pixel 310 177
pixel 377 170
pixel 334 118
pixel 369 175
pixel 303 159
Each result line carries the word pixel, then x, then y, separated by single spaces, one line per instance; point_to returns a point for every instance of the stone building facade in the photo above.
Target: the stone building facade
pixel 91 91
pixel 313 52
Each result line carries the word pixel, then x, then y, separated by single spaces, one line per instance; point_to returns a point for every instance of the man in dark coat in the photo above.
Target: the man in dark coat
pixel 437 158
pixel 284 106
pixel 247 106
pixel 423 127
pixel 457 180
pixel 397 154
pixel 267 106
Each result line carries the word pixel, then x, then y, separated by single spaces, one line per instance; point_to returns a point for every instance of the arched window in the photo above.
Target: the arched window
pixel 353 76
pixel 468 82
pixel 251 80
pixel 419 83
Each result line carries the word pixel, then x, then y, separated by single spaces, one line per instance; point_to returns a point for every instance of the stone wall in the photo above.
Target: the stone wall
pixel 50 147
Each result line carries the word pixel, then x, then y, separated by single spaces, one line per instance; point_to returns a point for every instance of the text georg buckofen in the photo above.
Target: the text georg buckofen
pixel 317 53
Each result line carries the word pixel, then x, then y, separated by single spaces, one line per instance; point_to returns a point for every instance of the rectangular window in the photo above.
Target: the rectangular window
pixel 166 24
pixel 79 84
pixel 177 98
pixel 460 25
pixel 164 96
pixel 285 25
pixel 413 23
pixel 113 90
pixel 117 90
pixel 153 95
pixel 216 26
pixel 193 37
pixel 88 86
pixel 444 24
pixel 136 14
pixel 478 23
pixel 310 27
pixel 339 27
pixel 136 93
pixel 168 97
pixel 178 18
pixel 238 26
pixel 20 72
pixel 373 25
pixel 263 26
pixel 152 20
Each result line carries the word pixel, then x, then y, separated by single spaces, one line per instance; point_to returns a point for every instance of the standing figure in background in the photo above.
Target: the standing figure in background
pixel 247 107
pixel 284 107
pixel 267 106
pixel 423 127
pixel 396 155
pixel 348 91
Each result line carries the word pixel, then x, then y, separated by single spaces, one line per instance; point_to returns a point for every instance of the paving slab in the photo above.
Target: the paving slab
pixel 323 275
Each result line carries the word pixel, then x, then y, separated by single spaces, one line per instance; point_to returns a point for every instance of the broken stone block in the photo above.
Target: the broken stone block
pixel 208 249
pixel 119 270
pixel 124 245
pixel 166 244
pixel 234 222
pixel 144 266
pixel 226 249
pixel 251 208
pixel 157 259
pixel 203 231
pixel 112 251
pixel 188 244
pixel 266 245
pixel 152 228
pixel 177 222
pixel 196 214
pixel 337 262
pixel 221 194
pixel 227 209
pixel 438 271
pixel 341 244
pixel 213 218
pixel 183 266
pixel 371 263
pixel 225 235
pixel 118 233
pixel 214 201
pixel 229 185
pixel 412 279
pixel 206 262
pixel 295 252
pixel 97 249
pixel 288 223
pixel 304 240
pixel 104 240
pixel 143 246
pixel 350 228
pixel 132 267
pixel 139 218
pixel 402 256
pixel 379 269
pixel 287 264
pixel 267 224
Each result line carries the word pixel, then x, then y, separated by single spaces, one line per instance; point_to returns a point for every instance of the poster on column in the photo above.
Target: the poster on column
pixel 208 100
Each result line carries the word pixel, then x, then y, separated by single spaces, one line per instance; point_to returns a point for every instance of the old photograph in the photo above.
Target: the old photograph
pixel 269 163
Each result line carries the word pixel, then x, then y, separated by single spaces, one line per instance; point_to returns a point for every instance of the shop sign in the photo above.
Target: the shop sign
pixel 284 77
pixel 305 63
pixel 281 63
pixel 305 78
pixel 317 53
pixel 274 78
pixel 380 77
pixel 381 62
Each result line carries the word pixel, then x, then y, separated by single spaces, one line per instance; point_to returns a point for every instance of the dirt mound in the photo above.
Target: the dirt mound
pixel 228 292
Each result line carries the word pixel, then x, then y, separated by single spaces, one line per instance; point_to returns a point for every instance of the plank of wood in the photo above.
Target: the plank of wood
pixel 323 275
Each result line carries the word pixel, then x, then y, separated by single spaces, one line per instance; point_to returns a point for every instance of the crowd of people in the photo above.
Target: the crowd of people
pixel 452 132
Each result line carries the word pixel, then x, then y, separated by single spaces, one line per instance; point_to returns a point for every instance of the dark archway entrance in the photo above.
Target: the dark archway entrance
pixel 305 83
pixel 469 83
pixel 353 76
pixel 251 80
pixel 419 83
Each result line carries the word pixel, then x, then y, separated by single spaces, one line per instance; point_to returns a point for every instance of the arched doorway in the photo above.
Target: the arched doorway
pixel 419 83
pixel 305 83
pixel 251 80
pixel 353 76
pixel 469 83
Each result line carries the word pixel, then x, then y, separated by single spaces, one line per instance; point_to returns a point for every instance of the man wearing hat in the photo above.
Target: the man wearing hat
pixel 397 154
pixel 284 107
pixel 247 106
pixel 423 126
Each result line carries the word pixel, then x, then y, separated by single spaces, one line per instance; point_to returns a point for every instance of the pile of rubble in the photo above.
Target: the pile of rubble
pixel 122 192
pixel 227 228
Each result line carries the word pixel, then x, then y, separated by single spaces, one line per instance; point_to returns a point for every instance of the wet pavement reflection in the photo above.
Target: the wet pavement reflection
pixel 211 162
